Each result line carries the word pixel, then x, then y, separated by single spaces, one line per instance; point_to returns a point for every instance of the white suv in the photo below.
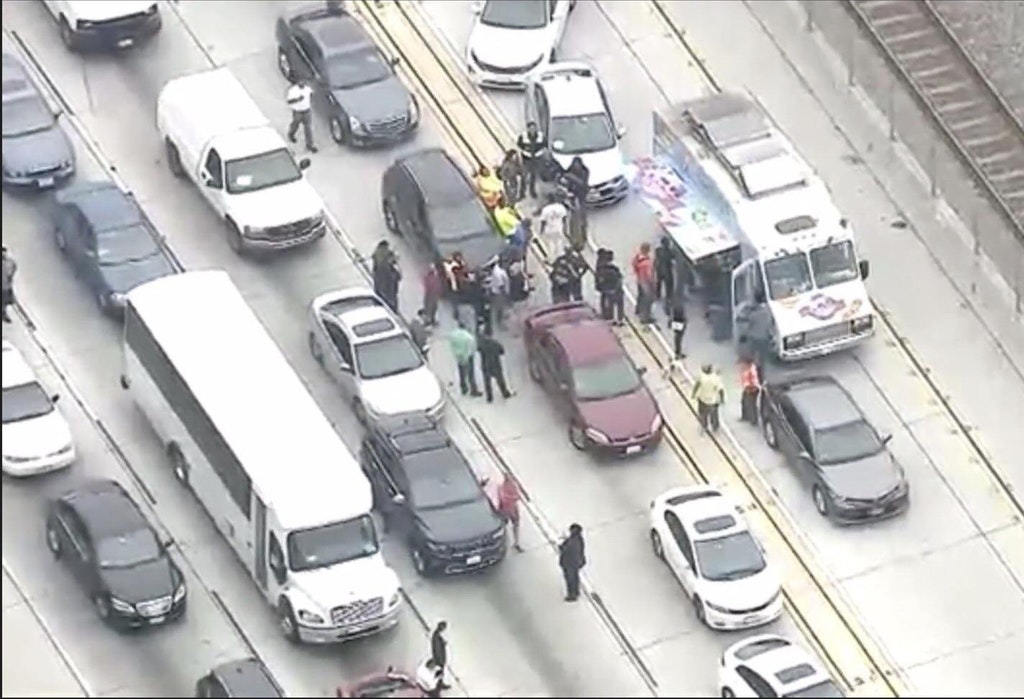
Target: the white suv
pixel 571 107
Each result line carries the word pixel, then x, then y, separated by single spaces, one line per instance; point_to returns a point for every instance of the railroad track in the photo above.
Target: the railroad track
pixel 970 112
pixel 816 605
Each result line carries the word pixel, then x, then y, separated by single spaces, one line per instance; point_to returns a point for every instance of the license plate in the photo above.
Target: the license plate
pixel 751 619
pixel 46 181
pixel 635 449
pixel 125 43
pixel 157 620
pixel 473 560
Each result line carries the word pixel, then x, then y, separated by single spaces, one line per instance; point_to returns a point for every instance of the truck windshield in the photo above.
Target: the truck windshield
pixel 257 172
pixel 789 275
pixel 834 264
pixel 331 544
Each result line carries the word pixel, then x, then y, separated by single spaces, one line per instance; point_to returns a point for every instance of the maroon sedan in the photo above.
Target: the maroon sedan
pixel 391 683
pixel 574 355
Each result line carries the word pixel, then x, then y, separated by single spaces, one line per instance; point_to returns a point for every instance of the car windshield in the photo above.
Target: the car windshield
pixel 849 442
pixel 834 264
pixel 822 690
pixel 125 245
pixel 26 115
pixel 25 402
pixel 515 14
pixel 388 357
pixel 731 557
pixel 435 482
pixel 257 172
pixel 128 550
pixel 789 275
pixel 582 134
pixel 356 69
pixel 606 379
pixel 332 544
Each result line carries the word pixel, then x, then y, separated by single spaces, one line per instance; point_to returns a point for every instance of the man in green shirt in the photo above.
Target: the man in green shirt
pixel 463 346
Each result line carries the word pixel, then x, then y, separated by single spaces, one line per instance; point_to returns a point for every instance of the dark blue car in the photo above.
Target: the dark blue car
pixel 109 241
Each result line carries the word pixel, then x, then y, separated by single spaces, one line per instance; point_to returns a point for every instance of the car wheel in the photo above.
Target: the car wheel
pixel 390 220
pixel 726 692
pixel 53 541
pixel 235 241
pixel 284 64
pixel 768 429
pixel 174 159
pixel 62 243
pixel 102 606
pixel 66 35
pixel 419 562
pixel 179 465
pixel 314 349
pixel 657 546
pixel 578 437
pixel 699 612
pixel 338 130
pixel 360 412
pixel 286 620
pixel 821 503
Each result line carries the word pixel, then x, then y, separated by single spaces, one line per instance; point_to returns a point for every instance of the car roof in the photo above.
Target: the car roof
pixel 15 368
pixel 441 180
pixel 16 81
pixel 414 433
pixel 103 204
pixel 782 656
pixel 369 323
pixel 823 402
pixel 337 33
pixel 247 678
pixel 587 341
pixel 570 94
pixel 711 515
pixel 106 508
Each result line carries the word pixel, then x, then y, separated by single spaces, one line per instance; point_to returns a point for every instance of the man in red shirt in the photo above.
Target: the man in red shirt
pixel 643 270
pixel 508 505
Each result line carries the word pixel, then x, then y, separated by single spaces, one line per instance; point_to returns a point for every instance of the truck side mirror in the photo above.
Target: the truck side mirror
pixel 865 269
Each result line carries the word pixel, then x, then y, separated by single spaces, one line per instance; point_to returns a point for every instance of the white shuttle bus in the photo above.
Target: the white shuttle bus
pixel 243 433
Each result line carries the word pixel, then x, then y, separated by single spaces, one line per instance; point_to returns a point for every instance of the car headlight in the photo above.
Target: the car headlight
pixel 83 24
pixel 308 617
pixel 793 341
pixel 498 535
pixel 179 594
pixel 859 325
pixel 656 423
pixel 18 459
pixel 433 546
pixel 395 599
pixel 598 436
pixel 121 606
pixel 354 123
pixel 715 607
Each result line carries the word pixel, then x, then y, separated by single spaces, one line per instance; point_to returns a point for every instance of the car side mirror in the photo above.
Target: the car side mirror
pixel 641 370
pixel 805 456
pixel 620 131
pixel 304 163
pixel 395 60
pixel 168 543
pixel 55 397
pixel 398 499
pixel 865 269
pixel 345 366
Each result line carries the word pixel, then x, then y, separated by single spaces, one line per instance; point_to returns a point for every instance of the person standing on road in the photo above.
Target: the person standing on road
pixel 709 392
pixel 10 268
pixel 533 147
pixel 561 278
pixel 511 173
pixel 491 352
pixel 386 274
pixel 463 346
pixel 750 382
pixel 609 285
pixel 643 270
pixel 572 559
pixel 509 496
pixel 498 289
pixel 577 181
pixel 419 333
pixel 300 100
pixel 664 272
pixel 677 322
pixel 552 218
pixel 433 290
pixel 579 268
pixel 439 650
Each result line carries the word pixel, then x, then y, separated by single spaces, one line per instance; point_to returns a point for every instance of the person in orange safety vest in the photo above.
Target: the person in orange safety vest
pixel 750 382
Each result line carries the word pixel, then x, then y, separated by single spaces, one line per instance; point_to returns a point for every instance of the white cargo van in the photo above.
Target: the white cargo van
pixel 104 24
pixel 244 435
pixel 215 135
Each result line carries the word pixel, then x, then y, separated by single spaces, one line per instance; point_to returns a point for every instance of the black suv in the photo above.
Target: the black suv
pixel 834 449
pixel 426 198
pixel 424 487
pixel 100 534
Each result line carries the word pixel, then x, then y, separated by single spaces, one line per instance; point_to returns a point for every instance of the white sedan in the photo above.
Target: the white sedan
pixel 704 539
pixel 36 437
pixel 772 666
pixel 368 351
pixel 511 38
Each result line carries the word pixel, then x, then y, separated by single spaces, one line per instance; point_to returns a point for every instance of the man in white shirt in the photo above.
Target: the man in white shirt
pixel 498 288
pixel 300 99
pixel 552 224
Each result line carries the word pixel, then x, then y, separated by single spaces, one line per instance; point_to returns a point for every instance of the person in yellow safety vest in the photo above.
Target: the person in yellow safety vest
pixel 750 382
pixel 488 186
pixel 506 216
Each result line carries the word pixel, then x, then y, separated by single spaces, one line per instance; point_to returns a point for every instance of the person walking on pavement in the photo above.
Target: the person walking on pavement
pixel 579 268
pixel 509 495
pixel 300 100
pixel 488 187
pixel 10 268
pixel 439 650
pixel 561 278
pixel 572 559
pixel 498 290
pixel 709 392
pixel 419 333
pixel 677 322
pixel 433 290
pixel 552 218
pixel 643 270
pixel 664 272
pixel 386 274
pixel 463 346
pixel 750 383
pixel 491 352
pixel 533 147
pixel 609 285
pixel 511 174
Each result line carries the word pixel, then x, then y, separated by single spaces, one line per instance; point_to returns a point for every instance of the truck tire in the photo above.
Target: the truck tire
pixel 235 237
pixel 174 159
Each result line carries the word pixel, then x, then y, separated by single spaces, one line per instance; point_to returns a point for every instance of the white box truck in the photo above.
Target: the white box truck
pixel 87 25
pixel 215 135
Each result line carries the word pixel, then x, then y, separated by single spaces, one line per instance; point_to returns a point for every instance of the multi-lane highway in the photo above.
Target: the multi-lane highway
pixel 938 589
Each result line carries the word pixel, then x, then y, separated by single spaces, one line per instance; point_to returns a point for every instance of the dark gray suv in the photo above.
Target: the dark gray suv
pixel 834 449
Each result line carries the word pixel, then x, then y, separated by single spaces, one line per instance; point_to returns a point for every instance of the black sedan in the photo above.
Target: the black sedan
pixel 109 241
pixel 110 549
pixel 36 151
pixel 354 83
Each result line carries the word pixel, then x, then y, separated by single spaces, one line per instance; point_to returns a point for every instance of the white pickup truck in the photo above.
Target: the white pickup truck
pixel 215 135
pixel 104 24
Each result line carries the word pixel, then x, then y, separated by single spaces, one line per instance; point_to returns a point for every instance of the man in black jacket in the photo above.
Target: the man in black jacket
pixel 664 272
pixel 571 559
pixel 561 277
pixel 439 650
pixel 608 282
pixel 577 181
pixel 533 146
pixel 579 268
pixel 491 351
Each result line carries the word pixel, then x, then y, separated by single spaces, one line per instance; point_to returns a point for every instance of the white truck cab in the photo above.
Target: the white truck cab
pixel 104 24
pixel 216 135
pixel 744 208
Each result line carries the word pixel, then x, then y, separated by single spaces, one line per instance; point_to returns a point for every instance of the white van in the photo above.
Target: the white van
pixel 104 24
pixel 215 135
